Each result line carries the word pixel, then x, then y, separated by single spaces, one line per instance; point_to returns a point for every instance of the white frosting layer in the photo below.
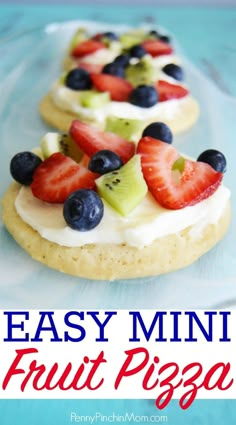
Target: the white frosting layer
pixel 68 100
pixel 140 228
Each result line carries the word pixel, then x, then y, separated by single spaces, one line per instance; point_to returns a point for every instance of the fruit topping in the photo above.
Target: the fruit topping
pixel 94 68
pixel 129 129
pixel 87 47
pixel 78 37
pixel 214 158
pixel 125 188
pixel 144 96
pixel 104 161
pixel 110 35
pixel 167 91
pixel 58 176
pixel 132 38
pixel 174 71
pixel 157 47
pixel 155 35
pixel 118 88
pixel 93 99
pixel 142 72
pixel 56 142
pixel 122 60
pixel 23 166
pixel 78 79
pixel 91 140
pixel 137 51
pixel 83 210
pixel 114 69
pixel 164 38
pixel 196 182
pixel 85 160
pixel 158 130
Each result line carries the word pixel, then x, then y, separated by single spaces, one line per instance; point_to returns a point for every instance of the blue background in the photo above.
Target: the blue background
pixel 57 412
pixel 208 38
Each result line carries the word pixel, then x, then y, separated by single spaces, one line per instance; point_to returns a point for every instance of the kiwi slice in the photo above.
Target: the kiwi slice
pixel 179 164
pixel 79 36
pixel 93 99
pixel 63 78
pixel 131 38
pixel 126 128
pixel 125 188
pixel 177 170
pixel 142 72
pixel 56 142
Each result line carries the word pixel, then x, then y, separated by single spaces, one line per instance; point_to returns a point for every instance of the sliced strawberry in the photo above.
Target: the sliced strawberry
pixel 98 36
pixel 167 91
pixel 197 181
pixel 94 68
pixel 157 47
pixel 118 88
pixel 84 160
pixel 92 140
pixel 58 176
pixel 87 47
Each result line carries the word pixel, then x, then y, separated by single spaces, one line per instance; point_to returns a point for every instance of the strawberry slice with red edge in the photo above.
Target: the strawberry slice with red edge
pixel 87 47
pixel 85 160
pixel 157 48
pixel 94 68
pixel 58 176
pixel 168 91
pixel 98 36
pixel 118 88
pixel 196 182
pixel 91 140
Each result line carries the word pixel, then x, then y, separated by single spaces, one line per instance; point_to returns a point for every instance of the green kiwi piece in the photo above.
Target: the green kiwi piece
pixel 126 128
pixel 63 78
pixel 125 188
pixel 93 99
pixel 132 38
pixel 79 36
pixel 179 164
pixel 142 72
pixel 56 142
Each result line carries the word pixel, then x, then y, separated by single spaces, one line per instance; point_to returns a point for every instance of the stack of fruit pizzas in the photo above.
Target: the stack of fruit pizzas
pixel 112 198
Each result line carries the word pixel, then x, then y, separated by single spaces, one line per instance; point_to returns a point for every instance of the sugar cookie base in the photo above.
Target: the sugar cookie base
pixel 185 118
pixel 108 261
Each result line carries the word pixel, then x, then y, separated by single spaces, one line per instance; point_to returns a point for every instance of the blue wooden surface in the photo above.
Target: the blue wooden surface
pixel 207 35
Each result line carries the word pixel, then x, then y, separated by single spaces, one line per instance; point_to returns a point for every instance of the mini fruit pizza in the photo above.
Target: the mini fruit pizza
pixel 92 51
pixel 95 205
pixel 130 80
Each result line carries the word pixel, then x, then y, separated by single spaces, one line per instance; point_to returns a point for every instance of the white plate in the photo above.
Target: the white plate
pixel 29 64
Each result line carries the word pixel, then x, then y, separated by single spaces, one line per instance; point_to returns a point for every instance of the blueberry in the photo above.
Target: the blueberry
pixel 23 166
pixel 144 96
pixel 174 71
pixel 104 161
pixel 158 130
pixel 111 35
pixel 154 33
pixel 137 51
pixel 214 158
pixel 114 69
pixel 83 210
pixel 164 38
pixel 78 79
pixel 122 60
